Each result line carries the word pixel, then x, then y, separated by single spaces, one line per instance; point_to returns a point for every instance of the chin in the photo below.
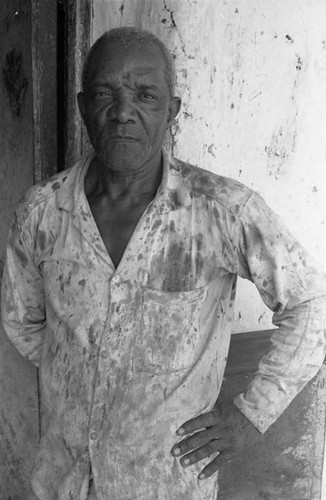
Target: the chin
pixel 120 162
pixel 123 157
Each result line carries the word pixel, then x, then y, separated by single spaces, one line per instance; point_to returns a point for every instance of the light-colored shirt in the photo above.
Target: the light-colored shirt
pixel 127 355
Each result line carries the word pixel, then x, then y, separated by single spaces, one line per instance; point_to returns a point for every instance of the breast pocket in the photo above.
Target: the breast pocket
pixel 169 331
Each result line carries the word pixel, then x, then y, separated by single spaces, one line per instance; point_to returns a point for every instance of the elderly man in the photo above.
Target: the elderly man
pixel 120 284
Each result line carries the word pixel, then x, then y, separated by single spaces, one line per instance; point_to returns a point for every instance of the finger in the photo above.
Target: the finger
pixel 195 441
pixel 224 457
pixel 219 445
pixel 201 422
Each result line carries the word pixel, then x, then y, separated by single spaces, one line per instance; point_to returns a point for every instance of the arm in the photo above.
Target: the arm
pixel 292 287
pixel 22 297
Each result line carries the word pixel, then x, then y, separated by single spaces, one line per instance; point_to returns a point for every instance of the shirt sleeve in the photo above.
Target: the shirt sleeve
pixel 292 287
pixel 22 296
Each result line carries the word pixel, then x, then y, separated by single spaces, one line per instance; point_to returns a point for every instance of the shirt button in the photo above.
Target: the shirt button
pixel 104 354
pixel 93 435
pixel 116 279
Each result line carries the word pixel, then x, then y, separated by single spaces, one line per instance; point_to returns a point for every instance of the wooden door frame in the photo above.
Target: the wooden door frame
pixel 78 37
pixel 44 63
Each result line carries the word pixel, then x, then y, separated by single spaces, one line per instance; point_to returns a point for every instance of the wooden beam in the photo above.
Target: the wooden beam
pixel 243 359
pixel 288 463
pixel 78 15
pixel 18 385
pixel 44 67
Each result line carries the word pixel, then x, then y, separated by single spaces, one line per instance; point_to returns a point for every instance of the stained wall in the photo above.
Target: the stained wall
pixel 252 76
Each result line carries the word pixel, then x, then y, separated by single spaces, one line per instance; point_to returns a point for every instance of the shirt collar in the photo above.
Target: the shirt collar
pixel 70 195
pixel 171 195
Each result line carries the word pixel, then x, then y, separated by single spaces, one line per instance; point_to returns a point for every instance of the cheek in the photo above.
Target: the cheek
pixel 160 130
pixel 95 126
pixel 156 125
pixel 96 115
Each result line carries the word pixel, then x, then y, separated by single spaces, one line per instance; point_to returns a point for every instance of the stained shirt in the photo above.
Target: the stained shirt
pixel 126 355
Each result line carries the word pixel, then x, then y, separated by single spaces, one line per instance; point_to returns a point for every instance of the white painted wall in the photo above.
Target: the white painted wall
pixel 252 76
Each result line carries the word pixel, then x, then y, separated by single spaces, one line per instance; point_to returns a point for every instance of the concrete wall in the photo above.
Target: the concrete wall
pixel 252 76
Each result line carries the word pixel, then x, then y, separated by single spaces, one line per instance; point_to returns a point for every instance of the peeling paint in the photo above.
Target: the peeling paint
pixel 283 143
pixel 170 12
pixel 299 63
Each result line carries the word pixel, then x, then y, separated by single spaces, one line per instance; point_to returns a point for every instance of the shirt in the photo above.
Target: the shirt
pixel 127 355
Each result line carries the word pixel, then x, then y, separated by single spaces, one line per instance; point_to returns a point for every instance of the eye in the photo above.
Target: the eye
pixel 148 96
pixel 103 94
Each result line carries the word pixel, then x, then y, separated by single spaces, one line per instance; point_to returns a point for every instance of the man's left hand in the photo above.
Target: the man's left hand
pixel 224 430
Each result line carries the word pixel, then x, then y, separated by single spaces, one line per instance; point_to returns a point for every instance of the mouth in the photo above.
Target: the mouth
pixel 123 138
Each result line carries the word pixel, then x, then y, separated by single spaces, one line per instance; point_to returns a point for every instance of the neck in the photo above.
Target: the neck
pixel 142 183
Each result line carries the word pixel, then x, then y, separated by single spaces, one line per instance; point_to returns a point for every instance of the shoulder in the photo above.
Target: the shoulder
pixel 41 194
pixel 229 193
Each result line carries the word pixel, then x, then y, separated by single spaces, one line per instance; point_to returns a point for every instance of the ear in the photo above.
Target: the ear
pixel 174 108
pixel 81 103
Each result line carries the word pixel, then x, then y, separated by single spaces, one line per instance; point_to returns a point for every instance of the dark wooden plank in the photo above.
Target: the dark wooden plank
pixel 288 463
pixel 18 388
pixel 44 64
pixel 246 349
pixel 78 36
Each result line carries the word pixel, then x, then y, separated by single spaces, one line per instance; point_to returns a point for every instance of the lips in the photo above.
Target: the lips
pixel 124 138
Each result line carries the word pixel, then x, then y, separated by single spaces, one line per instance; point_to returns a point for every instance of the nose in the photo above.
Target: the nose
pixel 123 109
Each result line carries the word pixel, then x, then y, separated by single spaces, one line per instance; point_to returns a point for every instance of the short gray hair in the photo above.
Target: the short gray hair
pixel 129 36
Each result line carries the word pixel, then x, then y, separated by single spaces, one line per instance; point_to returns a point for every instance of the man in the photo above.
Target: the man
pixel 120 284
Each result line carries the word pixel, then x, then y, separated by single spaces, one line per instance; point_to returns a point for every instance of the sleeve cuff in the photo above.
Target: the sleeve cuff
pixel 261 420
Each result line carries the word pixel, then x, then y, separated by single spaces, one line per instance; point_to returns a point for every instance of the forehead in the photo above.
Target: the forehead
pixel 111 61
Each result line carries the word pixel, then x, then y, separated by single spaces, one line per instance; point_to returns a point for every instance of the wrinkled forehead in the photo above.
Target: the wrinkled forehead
pixel 141 60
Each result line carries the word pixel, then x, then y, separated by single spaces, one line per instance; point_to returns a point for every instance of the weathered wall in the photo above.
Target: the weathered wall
pixel 18 397
pixel 252 76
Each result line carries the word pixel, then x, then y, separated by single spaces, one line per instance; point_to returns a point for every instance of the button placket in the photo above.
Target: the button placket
pixel 100 393
pixel 97 416
pixel 116 279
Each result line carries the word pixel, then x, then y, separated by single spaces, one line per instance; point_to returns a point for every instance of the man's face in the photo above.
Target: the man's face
pixel 126 105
